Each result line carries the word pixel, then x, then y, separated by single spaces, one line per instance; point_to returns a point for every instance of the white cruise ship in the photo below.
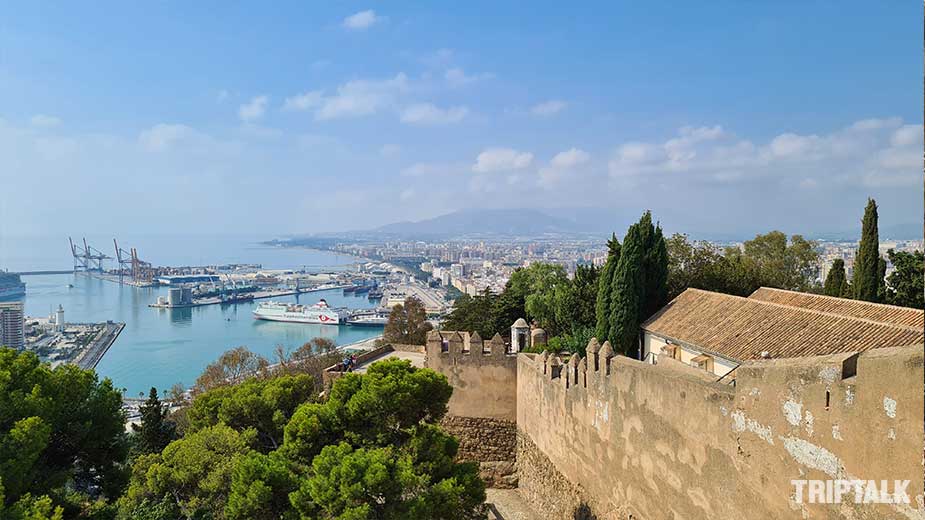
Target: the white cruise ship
pixel 319 313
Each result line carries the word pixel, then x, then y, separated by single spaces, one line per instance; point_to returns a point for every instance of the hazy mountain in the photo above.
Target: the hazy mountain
pixel 522 222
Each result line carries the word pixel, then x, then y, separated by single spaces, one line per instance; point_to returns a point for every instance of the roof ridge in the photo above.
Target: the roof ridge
pixel 847 300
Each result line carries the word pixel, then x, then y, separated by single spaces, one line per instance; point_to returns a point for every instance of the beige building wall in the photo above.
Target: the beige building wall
pixel 652 343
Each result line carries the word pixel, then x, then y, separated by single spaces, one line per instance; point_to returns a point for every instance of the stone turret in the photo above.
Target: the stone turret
pixel 520 335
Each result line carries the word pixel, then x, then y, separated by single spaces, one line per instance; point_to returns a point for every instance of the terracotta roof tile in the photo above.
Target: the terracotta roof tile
pixel 742 328
pixel 890 314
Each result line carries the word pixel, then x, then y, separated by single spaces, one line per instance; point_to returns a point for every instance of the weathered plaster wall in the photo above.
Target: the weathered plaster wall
pixel 663 441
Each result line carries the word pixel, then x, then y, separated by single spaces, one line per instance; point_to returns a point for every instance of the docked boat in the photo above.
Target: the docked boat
pixel 368 320
pixel 11 286
pixel 319 313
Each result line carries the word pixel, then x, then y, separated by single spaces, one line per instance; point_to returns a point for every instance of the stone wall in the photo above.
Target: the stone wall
pixel 618 438
pixel 483 375
pixel 490 442
pixel 483 407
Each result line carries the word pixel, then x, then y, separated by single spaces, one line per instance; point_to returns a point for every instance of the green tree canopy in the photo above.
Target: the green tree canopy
pixel 372 450
pixel 906 284
pixel 407 323
pixel 264 405
pixel 473 314
pixel 156 431
pixel 191 478
pixel 59 429
pixel 836 282
pixel 769 260
pixel 575 300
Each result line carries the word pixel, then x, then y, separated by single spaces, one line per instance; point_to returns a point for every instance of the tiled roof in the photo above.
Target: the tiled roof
pixel 741 328
pixel 879 312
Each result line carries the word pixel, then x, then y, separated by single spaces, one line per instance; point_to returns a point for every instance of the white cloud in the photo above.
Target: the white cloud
pixel 44 121
pixel 570 158
pixel 430 114
pixel 501 159
pixel 304 101
pixel 562 165
pixel 863 153
pixel 426 169
pixel 548 108
pixel 361 97
pixel 457 77
pixel 254 109
pixel 162 136
pixel 362 20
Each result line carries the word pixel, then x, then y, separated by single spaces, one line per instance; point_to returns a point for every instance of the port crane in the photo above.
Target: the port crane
pixel 87 258
pixel 140 270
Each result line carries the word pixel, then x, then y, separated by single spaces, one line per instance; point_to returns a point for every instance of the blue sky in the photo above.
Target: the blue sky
pixel 301 117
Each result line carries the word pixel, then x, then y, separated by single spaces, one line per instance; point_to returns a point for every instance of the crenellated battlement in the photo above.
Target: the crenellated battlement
pixel 626 431
pixel 455 347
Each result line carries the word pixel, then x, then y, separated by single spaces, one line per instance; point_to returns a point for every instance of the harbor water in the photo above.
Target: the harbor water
pixel 161 347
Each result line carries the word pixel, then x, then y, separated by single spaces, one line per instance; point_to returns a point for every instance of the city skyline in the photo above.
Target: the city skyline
pixel 178 118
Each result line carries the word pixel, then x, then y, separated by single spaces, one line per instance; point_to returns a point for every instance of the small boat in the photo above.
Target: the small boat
pixel 377 319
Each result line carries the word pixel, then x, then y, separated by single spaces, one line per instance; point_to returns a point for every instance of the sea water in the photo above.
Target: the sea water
pixel 161 347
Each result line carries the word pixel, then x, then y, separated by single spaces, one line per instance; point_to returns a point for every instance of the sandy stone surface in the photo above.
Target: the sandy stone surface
pixel 507 504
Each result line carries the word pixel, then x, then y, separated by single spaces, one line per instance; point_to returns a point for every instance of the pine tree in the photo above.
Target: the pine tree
pixel 155 431
pixel 640 283
pixel 867 279
pixel 602 304
pixel 836 282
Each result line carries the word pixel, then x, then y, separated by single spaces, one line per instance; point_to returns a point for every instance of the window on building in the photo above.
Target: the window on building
pixel 703 361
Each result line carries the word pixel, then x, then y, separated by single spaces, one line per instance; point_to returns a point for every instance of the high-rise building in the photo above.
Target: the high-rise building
pixel 12 333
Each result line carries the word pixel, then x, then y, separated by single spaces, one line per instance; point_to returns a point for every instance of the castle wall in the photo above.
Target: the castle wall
pixel 666 441
pixel 483 407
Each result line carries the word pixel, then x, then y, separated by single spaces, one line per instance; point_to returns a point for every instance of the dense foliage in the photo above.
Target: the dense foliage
pixel 640 284
pixel 906 284
pixel 407 323
pixel 836 282
pixel 62 438
pixel 155 430
pixel 602 300
pixel 371 450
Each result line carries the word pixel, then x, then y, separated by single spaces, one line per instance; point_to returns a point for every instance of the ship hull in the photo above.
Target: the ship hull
pixel 298 319
pixel 12 292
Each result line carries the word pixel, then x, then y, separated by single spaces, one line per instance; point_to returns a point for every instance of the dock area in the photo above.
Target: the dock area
pixel 92 355
pixel 255 295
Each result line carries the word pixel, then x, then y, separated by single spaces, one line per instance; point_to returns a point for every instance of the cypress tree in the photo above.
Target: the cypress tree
pixel 640 283
pixel 625 290
pixel 656 275
pixel 602 304
pixel 867 280
pixel 836 282
pixel 155 431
